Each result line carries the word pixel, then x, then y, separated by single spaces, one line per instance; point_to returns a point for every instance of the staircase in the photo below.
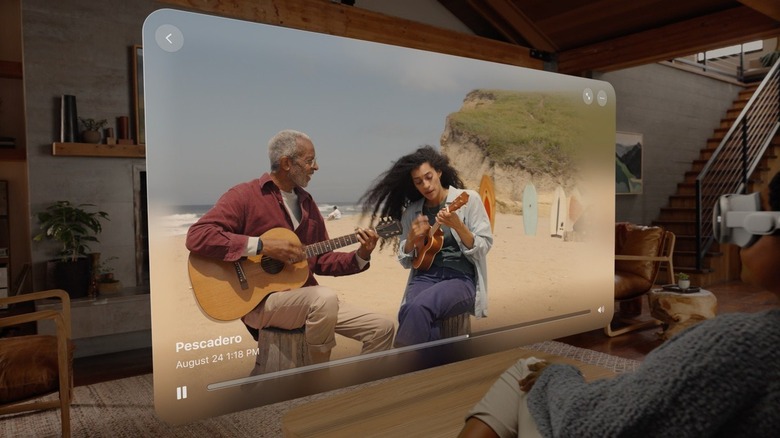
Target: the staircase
pixel 738 156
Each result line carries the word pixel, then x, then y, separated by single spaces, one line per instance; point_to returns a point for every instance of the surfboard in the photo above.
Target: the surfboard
pixel 488 195
pixel 576 209
pixel 530 210
pixel 558 213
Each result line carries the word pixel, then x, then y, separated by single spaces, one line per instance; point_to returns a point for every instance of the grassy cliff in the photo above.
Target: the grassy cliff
pixel 529 131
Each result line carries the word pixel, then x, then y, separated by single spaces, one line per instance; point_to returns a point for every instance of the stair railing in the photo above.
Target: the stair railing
pixel 737 156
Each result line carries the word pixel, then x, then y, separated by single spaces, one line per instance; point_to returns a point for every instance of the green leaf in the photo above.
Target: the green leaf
pixel 71 226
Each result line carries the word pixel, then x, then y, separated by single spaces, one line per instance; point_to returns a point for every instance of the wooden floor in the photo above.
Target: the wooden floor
pixel 732 297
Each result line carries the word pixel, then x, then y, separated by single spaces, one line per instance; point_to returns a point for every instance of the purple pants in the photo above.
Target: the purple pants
pixel 431 296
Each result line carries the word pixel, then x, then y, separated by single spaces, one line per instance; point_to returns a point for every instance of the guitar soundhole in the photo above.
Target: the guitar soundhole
pixel 271 266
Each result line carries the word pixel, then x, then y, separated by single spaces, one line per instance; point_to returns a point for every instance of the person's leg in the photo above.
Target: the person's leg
pixel 427 302
pixel 504 407
pixel 417 285
pixel 374 330
pixel 315 308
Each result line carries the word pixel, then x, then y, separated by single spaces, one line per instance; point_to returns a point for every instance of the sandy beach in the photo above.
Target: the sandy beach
pixel 528 276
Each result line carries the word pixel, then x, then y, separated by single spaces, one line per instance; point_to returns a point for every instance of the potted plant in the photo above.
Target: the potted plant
pixel 72 227
pixel 92 127
pixel 683 281
pixel 106 282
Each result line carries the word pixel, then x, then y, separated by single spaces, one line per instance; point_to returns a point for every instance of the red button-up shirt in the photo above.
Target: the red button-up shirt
pixel 251 209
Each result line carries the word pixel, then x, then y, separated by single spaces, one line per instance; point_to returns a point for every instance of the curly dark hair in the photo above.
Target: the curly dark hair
pixel 394 190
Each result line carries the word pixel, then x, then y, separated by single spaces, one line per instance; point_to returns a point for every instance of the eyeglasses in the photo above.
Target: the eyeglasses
pixel 311 162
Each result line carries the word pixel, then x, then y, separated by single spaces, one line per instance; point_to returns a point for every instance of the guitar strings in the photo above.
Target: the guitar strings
pixel 274 266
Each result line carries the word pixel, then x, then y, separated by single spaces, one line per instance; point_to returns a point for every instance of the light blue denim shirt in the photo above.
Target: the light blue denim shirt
pixel 475 218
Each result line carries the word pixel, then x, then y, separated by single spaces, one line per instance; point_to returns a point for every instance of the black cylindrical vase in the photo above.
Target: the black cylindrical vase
pixel 69 121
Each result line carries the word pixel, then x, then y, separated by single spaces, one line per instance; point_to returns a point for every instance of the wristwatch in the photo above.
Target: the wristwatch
pixel 259 246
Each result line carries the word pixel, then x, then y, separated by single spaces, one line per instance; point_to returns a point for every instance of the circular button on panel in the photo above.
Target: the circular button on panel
pixel 587 96
pixel 169 38
pixel 601 97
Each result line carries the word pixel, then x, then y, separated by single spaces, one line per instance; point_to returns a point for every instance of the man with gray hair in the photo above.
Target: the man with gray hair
pixel 233 228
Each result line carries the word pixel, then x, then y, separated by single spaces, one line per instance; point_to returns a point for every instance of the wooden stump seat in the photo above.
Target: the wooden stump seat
pixel 284 349
pixel 457 325
pixel 281 350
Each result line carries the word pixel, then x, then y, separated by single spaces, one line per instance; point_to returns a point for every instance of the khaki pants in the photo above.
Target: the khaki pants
pixel 504 408
pixel 318 309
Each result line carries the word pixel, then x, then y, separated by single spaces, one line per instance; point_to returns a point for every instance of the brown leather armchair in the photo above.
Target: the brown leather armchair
pixel 639 252
pixel 36 365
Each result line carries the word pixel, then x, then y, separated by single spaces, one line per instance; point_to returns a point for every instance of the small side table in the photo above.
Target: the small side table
pixel 679 311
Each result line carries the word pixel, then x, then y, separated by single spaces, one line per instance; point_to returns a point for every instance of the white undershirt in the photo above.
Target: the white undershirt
pixel 293 207
pixel 294 210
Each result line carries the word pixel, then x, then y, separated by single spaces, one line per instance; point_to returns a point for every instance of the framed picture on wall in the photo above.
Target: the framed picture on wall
pixel 138 93
pixel 628 163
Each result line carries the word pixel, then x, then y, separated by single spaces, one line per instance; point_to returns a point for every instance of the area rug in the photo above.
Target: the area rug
pixel 125 408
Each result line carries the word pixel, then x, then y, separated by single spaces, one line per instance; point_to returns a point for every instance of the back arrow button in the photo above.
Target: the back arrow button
pixel 169 38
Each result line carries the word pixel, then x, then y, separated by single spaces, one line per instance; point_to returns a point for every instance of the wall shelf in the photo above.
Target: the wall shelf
pixel 98 150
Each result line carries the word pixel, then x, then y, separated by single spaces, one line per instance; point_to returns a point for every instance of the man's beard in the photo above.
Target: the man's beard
pixel 299 177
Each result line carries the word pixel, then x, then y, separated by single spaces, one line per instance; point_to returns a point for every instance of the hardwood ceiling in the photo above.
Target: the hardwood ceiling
pixel 581 36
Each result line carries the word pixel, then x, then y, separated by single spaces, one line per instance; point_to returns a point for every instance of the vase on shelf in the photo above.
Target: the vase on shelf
pixel 69 122
pixel 123 127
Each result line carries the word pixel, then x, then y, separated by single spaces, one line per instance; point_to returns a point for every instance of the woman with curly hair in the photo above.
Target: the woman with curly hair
pixel 418 190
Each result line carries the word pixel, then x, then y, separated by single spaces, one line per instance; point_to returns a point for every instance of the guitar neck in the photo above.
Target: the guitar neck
pixel 329 245
pixel 436 225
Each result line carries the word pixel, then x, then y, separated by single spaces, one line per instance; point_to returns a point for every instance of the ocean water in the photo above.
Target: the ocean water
pixel 183 216
pixel 346 209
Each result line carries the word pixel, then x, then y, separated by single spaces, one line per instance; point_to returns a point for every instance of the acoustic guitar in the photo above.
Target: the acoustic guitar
pixel 229 290
pixel 430 246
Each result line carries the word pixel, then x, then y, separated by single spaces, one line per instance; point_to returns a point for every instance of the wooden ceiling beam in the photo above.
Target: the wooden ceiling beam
pixel 721 29
pixel 770 8
pixel 335 19
pixel 519 23
pixel 496 21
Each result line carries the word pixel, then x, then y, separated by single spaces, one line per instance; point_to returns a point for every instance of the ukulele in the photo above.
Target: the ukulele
pixel 430 246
